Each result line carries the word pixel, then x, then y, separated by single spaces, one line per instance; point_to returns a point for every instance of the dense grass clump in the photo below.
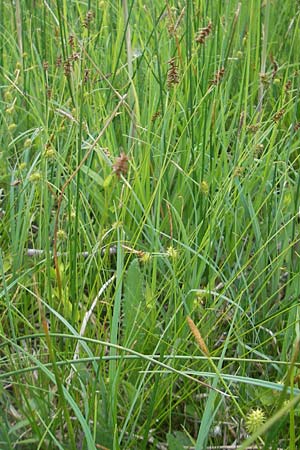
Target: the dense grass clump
pixel 149 224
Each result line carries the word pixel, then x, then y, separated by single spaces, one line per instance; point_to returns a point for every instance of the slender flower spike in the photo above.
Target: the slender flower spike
pixel 198 338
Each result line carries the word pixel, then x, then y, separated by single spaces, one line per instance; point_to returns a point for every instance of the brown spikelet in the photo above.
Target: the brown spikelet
pixel 48 92
pixel 120 166
pixel 58 61
pixel 278 115
pixel 197 335
pixel 86 75
pixel 75 56
pixel 67 67
pixel 71 41
pixel 241 122
pixel 88 18
pixel 288 85
pixel 297 379
pixel 155 116
pixel 203 33
pixel 275 67
pixel 171 28
pixel 253 128
pixel 297 126
pixel 45 65
pixel 264 78
pixel 106 152
pixel 173 74
pixel 218 76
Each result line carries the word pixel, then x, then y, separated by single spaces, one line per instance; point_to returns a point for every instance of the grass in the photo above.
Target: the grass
pixel 149 226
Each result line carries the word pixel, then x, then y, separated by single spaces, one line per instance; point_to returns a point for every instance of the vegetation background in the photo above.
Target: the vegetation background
pixel 149 259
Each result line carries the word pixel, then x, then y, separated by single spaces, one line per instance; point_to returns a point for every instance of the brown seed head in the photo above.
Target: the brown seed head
pixel 45 65
pixel 71 40
pixel 278 115
pixel 75 56
pixel 275 68
pixel 253 128
pixel 218 76
pixel 173 74
pixel 297 126
pixel 288 85
pixel 58 61
pixel 203 33
pixel 48 92
pixel 120 166
pixel 67 67
pixel 88 18
pixel 155 116
pixel 264 78
pixel 86 75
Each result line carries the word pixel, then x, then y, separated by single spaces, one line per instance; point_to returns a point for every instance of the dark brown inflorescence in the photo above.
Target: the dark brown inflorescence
pixel 173 74
pixel 120 166
pixel 203 33
pixel 278 115
pixel 218 76
pixel 88 18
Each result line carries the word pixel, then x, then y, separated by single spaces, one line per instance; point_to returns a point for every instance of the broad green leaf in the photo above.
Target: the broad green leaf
pixel 93 175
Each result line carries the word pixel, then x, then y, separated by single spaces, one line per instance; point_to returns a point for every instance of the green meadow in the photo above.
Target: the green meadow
pixel 149 224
